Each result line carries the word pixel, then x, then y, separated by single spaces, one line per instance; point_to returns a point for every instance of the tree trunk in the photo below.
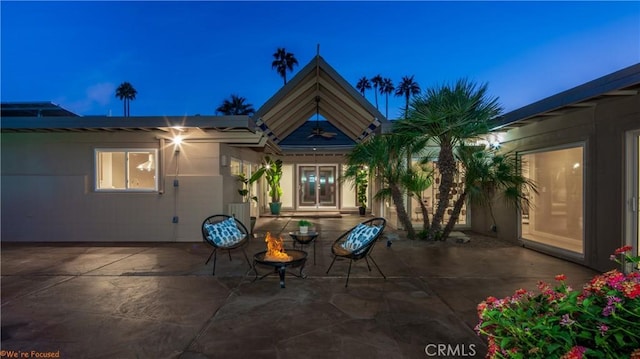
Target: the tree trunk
pixel 398 201
pixel 447 168
pixel 425 216
pixel 457 207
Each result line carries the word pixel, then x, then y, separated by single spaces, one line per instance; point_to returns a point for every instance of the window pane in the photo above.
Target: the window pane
pixel 142 170
pixel 556 216
pixel 236 166
pixel 111 170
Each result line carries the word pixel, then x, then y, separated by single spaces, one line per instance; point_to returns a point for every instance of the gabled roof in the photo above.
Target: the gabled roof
pixel 625 82
pixel 339 103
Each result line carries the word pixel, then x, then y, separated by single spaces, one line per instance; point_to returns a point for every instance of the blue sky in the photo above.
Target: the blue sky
pixel 185 58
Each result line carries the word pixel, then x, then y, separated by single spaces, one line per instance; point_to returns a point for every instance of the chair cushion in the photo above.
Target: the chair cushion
pixel 225 233
pixel 360 237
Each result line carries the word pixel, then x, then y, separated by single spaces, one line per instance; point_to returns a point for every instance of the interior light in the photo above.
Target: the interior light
pixel 146 166
pixel 576 165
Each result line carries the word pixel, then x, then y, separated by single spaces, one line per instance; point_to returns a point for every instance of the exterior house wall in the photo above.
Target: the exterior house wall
pixel 48 189
pixel 601 128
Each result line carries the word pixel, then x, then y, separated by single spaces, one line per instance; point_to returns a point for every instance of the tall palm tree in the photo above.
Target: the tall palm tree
pixel 363 85
pixel 407 88
pixel 126 93
pixel 488 174
pixel 377 82
pixel 386 88
pixel 385 155
pixel 283 62
pixel 235 105
pixel 449 115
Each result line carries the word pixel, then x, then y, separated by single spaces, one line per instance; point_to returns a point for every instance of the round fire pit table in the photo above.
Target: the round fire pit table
pixel 298 259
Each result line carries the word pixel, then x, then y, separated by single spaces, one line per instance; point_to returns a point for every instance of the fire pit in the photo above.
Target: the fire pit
pixel 275 256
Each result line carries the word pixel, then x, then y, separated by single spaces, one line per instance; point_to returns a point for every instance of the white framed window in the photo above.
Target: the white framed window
pixel 132 169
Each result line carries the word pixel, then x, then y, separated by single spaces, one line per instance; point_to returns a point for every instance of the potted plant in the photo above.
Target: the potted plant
pixel 245 190
pixel 362 182
pixel 359 177
pixel 304 226
pixel 273 175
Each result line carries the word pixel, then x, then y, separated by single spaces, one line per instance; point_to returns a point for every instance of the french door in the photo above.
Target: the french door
pixel 317 186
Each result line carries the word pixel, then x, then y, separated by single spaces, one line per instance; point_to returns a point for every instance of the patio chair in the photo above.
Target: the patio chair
pixel 224 233
pixel 357 243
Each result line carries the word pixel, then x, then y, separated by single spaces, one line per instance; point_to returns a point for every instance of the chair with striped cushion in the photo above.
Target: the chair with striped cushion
pixel 224 232
pixel 357 243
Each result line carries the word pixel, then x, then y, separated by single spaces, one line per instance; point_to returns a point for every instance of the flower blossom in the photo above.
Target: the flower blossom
pixel 566 321
pixel 622 250
pixel 576 352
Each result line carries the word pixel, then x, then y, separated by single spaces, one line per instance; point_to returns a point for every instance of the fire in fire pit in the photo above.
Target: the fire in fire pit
pixel 275 249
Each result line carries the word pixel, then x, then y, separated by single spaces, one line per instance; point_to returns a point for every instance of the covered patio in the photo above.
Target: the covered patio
pixel 159 300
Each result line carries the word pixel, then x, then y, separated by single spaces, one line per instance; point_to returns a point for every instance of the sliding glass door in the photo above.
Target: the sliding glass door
pixel 632 190
pixel 556 215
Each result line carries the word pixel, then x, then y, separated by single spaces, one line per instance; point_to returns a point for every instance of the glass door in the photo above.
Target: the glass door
pixel 317 186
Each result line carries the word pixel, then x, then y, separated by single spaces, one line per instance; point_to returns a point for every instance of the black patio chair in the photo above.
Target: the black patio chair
pixel 219 232
pixel 357 243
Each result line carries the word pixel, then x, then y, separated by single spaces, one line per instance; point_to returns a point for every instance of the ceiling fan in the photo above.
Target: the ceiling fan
pixel 317 130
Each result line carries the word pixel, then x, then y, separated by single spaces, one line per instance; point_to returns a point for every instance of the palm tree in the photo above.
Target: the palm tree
pixel 417 180
pixel 235 106
pixel 488 174
pixel 283 62
pixel 407 88
pixel 377 82
pixel 126 93
pixel 363 85
pixel 449 115
pixel 385 156
pixel 386 88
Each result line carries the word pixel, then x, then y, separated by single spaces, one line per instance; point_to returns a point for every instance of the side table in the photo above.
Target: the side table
pixel 305 238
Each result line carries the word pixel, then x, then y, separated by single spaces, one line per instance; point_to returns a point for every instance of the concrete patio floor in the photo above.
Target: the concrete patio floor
pixel 159 300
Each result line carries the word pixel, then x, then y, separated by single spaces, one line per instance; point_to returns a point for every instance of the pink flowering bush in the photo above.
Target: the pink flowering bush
pixel 600 321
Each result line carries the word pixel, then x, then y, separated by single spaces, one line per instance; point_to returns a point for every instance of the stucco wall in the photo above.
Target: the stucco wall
pixel 48 189
pixel 602 129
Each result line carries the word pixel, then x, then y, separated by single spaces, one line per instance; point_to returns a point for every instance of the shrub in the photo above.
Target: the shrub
pixel 600 321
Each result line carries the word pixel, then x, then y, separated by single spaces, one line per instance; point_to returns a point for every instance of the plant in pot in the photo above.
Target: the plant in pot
pixel 246 184
pixel 304 226
pixel 362 182
pixel 359 177
pixel 273 175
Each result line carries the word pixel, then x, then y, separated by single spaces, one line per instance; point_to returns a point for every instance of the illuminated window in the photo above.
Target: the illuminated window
pixel 235 166
pixel 126 170
pixel 556 215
